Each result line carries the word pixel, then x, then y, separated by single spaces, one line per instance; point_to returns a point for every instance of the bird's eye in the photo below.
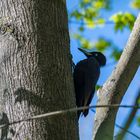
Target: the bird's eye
pixel 96 54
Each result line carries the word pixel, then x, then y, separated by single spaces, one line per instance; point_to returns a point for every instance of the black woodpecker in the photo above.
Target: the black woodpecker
pixel 86 74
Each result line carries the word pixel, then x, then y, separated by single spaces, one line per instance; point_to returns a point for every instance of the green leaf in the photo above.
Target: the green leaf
pixel 90 13
pixel 99 4
pixel 77 36
pixel 116 53
pixel 97 87
pixel 85 44
pixel 86 1
pixel 102 44
pixel 138 119
pixel 100 21
pixel 89 23
pixel 78 15
pixel 123 20
pixel 135 4
pixel 81 28
pixel 139 101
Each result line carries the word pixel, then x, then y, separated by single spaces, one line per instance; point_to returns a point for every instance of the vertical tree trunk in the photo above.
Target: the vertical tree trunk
pixel 35 69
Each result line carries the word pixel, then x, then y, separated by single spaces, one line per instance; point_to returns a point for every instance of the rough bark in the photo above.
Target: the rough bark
pixel 115 87
pixel 35 69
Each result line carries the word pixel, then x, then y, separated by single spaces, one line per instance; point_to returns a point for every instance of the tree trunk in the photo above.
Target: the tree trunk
pixel 35 69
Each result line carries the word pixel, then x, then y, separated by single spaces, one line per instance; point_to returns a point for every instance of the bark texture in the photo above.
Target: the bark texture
pixel 116 86
pixel 35 69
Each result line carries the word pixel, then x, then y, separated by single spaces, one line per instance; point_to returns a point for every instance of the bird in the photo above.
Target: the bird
pixel 86 74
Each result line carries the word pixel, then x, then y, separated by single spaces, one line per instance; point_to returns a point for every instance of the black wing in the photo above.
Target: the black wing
pixel 86 74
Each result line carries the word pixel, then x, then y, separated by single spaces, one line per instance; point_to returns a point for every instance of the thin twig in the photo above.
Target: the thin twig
pixel 54 113
pixel 127 132
pixel 90 23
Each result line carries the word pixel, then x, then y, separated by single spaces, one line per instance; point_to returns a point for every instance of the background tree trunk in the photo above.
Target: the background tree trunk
pixel 35 69
pixel 115 87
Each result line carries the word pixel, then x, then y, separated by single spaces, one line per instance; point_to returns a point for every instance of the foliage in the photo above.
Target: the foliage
pixel 98 87
pixel 89 12
pixel 116 53
pixel 123 20
pixel 101 44
pixel 135 4
pixel 138 121
pixel 84 43
pixel 88 16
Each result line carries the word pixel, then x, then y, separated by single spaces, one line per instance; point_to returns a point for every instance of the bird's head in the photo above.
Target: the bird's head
pixel 97 55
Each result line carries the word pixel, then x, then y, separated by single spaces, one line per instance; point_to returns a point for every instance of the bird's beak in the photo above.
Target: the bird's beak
pixel 85 52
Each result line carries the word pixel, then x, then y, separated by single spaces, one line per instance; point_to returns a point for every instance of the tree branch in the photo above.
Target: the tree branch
pixel 59 112
pixel 115 87
pixel 127 131
pixel 128 122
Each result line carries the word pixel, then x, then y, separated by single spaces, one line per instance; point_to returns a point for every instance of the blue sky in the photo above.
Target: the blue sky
pixel 120 39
